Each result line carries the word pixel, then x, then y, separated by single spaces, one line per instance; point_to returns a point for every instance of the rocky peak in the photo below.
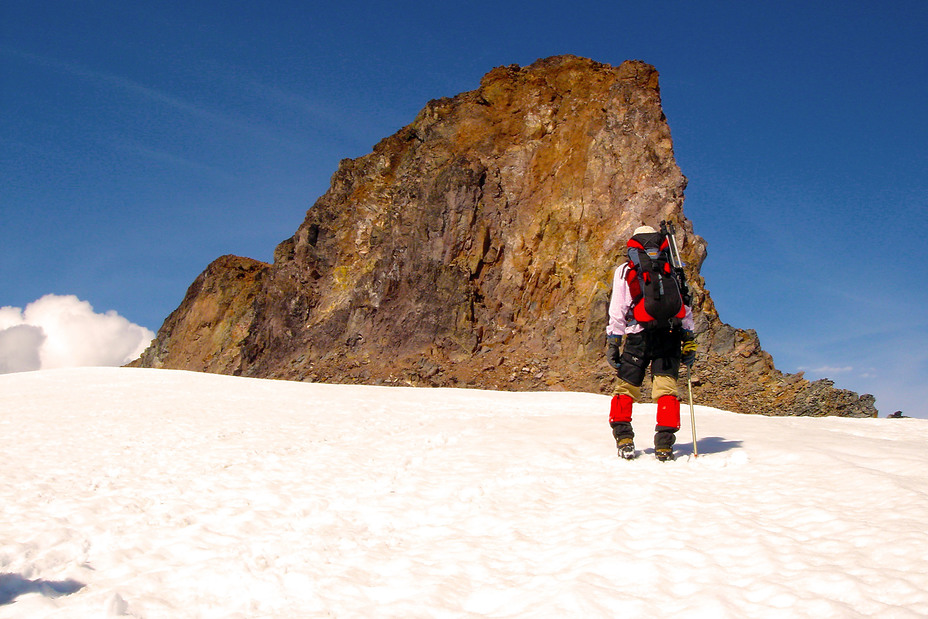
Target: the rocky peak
pixel 475 247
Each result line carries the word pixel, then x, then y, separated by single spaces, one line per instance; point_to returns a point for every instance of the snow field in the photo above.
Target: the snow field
pixel 152 493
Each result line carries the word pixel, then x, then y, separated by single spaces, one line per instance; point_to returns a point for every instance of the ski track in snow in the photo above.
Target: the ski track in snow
pixel 151 493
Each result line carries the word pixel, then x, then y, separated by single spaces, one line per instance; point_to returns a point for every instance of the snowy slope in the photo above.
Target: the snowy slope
pixel 153 493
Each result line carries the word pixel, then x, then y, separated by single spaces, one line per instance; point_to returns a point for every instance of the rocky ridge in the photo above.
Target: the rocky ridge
pixel 475 248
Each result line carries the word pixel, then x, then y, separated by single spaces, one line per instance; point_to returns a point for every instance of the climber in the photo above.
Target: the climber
pixel 647 311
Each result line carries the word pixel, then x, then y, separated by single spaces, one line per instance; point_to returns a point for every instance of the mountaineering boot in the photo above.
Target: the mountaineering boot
pixel 664 454
pixel 626 448
pixel 624 439
pixel 663 443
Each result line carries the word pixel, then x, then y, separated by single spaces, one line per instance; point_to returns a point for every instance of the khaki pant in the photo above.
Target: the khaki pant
pixel 660 385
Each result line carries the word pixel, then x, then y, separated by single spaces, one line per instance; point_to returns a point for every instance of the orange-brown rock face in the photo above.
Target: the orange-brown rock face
pixel 207 331
pixel 475 247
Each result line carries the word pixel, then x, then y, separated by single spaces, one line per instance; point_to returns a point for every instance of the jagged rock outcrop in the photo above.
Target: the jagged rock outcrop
pixel 206 332
pixel 475 247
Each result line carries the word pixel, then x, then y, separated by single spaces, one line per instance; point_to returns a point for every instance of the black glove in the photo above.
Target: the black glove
pixel 688 349
pixel 614 350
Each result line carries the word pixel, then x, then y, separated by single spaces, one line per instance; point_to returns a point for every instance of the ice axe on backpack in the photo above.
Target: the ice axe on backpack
pixel 669 232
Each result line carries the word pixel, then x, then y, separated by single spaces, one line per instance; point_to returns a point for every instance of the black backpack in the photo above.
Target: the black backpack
pixel 656 298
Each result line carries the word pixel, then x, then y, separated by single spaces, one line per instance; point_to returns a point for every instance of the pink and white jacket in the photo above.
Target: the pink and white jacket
pixel 621 301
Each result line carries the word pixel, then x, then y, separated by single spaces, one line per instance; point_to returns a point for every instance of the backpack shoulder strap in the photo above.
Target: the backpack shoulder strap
pixel 632 277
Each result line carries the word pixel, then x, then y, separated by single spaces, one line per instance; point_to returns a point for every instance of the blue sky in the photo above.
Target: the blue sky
pixel 139 141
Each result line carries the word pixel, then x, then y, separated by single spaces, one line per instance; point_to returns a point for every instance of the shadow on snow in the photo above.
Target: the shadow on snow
pixel 707 445
pixel 710 445
pixel 13 585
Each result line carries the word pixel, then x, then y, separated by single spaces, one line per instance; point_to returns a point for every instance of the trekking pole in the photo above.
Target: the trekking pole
pixel 689 388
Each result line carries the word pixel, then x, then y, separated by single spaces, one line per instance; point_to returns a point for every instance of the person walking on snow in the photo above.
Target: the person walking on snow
pixel 661 342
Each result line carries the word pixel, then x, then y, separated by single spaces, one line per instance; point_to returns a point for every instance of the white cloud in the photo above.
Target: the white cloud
pixel 19 348
pixel 828 369
pixel 63 331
